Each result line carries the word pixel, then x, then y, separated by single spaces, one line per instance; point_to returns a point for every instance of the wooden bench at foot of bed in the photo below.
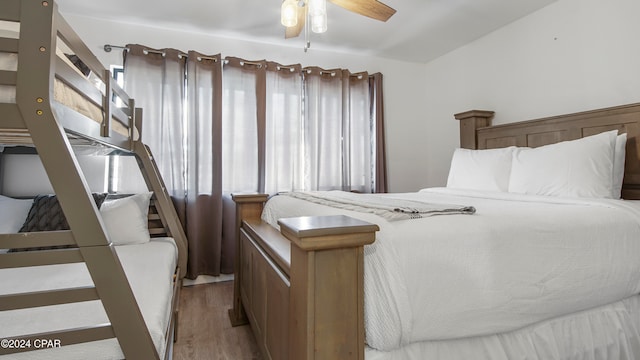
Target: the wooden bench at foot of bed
pixel 301 289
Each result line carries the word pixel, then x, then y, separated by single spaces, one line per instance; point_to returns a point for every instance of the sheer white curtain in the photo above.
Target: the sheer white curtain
pixel 337 131
pixel 240 127
pixel 323 124
pixel 284 156
pixel 156 81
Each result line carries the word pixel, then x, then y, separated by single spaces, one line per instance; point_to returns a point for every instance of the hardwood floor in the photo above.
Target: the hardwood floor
pixel 204 330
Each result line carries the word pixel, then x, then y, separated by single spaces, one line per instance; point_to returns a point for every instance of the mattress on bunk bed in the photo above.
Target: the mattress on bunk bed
pixel 518 261
pixel 149 267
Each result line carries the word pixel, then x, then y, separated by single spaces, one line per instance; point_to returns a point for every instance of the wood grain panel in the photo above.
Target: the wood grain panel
pixel 277 329
pixel 501 142
pixel 546 138
pixel 246 260
pixel 334 331
pixel 259 295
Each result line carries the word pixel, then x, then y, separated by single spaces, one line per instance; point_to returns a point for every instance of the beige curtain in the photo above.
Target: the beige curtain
pixel 204 167
pixel 251 126
pixel 379 146
pixel 184 134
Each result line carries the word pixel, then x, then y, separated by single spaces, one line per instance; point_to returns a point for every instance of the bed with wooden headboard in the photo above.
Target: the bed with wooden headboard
pixel 476 132
pixel 302 287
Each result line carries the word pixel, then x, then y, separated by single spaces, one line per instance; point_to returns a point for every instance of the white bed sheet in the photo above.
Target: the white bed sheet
pixel 518 261
pixel 149 268
pixel 604 333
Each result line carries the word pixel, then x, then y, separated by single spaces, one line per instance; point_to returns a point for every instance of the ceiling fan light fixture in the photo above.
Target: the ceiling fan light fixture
pixel 317 7
pixel 289 13
pixel 312 15
pixel 319 23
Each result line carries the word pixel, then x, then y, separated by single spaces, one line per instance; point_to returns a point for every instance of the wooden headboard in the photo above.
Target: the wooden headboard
pixel 476 132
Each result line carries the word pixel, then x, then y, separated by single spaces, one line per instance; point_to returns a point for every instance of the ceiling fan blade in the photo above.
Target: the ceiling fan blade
pixel 370 8
pixel 294 31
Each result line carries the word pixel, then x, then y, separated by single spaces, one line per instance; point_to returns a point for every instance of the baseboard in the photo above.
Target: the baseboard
pixel 206 279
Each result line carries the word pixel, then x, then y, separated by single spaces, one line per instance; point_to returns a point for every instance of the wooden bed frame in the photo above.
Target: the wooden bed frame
pixel 301 289
pixel 37 119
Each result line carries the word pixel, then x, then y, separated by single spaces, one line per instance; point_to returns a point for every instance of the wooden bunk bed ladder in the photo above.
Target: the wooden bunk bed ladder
pixel 35 112
pixel 162 203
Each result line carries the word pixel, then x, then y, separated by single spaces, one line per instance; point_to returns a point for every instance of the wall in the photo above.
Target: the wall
pixel 573 55
pixel 403 85
pixel 24 175
pixel 570 56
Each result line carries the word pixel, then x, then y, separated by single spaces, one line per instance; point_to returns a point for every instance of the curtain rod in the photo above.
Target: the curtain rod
pixel 108 48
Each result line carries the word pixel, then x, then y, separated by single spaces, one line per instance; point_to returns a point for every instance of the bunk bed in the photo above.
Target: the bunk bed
pixel 526 276
pixel 91 298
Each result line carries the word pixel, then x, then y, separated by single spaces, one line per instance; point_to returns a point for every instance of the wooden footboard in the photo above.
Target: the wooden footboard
pixel 301 288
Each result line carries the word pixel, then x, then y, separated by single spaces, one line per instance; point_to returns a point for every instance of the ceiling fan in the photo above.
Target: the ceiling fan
pixel 296 15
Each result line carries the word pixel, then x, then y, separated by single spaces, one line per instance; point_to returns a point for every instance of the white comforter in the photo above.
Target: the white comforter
pixel 519 260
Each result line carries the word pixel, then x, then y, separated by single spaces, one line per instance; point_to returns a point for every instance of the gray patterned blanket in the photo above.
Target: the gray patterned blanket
pixel 392 209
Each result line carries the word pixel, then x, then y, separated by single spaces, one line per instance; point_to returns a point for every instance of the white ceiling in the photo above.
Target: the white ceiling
pixel 420 31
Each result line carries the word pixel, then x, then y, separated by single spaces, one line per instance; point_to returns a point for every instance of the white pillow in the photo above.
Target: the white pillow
pixel 125 219
pixel 618 165
pixel 481 169
pixel 13 213
pixel 577 168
